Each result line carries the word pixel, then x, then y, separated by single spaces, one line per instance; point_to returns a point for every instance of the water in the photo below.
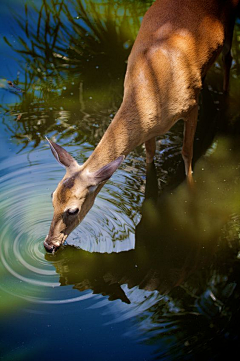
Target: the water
pixel 153 270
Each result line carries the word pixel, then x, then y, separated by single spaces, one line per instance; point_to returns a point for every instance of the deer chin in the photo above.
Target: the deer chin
pixel 52 245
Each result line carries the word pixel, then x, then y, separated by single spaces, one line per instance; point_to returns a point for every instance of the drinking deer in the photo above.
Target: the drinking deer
pixel 177 43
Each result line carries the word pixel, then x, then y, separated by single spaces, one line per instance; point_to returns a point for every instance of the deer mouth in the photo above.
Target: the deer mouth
pixel 52 245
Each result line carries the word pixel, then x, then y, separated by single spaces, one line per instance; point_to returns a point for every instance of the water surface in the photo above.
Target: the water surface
pixel 153 270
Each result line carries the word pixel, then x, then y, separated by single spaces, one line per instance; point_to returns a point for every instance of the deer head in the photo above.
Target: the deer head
pixel 74 195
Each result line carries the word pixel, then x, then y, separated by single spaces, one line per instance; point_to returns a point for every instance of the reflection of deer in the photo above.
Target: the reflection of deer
pixel 176 45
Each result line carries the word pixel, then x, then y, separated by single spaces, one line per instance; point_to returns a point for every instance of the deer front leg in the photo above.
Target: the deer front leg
pixel 227 63
pixel 190 125
pixel 227 56
pixel 150 146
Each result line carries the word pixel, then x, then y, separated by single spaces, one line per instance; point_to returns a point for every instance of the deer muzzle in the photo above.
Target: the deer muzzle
pixel 51 246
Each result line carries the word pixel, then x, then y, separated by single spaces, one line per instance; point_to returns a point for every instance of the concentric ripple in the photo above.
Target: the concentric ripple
pixel 26 212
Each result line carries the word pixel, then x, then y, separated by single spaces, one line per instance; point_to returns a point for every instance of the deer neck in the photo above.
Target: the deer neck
pixel 122 135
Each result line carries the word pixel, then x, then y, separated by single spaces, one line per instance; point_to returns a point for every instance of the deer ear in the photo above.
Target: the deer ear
pixel 61 155
pixel 104 173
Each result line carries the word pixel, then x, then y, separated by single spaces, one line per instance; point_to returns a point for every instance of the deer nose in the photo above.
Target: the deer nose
pixel 51 248
pixel 48 247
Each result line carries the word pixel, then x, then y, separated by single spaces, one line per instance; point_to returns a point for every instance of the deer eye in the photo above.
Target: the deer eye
pixel 72 211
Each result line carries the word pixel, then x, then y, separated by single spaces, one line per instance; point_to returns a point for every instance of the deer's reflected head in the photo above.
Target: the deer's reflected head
pixel 74 195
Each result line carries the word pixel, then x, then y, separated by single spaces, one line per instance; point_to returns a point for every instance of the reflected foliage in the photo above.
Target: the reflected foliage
pixel 74 58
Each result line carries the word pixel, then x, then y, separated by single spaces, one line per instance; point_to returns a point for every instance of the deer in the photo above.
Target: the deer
pixel 177 43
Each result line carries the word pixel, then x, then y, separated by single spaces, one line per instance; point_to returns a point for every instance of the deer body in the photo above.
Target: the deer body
pixel 177 43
